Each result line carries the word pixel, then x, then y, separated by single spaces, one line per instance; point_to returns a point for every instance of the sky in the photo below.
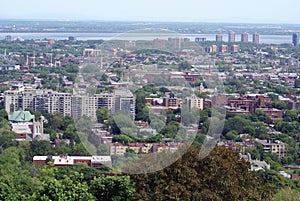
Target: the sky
pixel 253 11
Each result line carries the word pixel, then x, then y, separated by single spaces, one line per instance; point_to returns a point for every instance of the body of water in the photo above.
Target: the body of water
pixel 266 39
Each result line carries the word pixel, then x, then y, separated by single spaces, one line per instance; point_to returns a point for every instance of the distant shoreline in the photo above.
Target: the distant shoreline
pixel 120 32
pixel 65 26
pixel 145 21
pixel 85 36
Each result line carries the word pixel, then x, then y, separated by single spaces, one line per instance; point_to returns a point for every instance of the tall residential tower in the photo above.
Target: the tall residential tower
pixel 231 37
pixel 296 39
pixel 219 38
pixel 255 38
pixel 244 38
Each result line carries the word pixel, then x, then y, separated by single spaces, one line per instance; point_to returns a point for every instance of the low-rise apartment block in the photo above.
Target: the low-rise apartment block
pixel 274 146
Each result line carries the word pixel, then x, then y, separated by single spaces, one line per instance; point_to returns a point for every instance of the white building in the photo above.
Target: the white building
pixel 124 101
pixel 67 104
pixel 84 106
pixel 194 102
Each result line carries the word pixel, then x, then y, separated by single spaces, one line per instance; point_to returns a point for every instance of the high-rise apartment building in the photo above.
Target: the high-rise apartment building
pixel 17 98
pixel 83 106
pixel 176 42
pixel 106 100
pixel 219 38
pixel 60 103
pixel 41 103
pixel 231 37
pixel 124 101
pixel 244 38
pixel 223 48
pixel 235 48
pixel 214 48
pixel 200 39
pixel 211 49
pixel 295 39
pixel 41 100
pixel 255 38
pixel 68 104
pixel 11 101
pixel 8 38
pixel 159 43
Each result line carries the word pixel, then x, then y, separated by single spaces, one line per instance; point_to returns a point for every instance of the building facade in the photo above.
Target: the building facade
pixel 235 48
pixel 68 104
pixel 219 38
pixel 255 38
pixel 25 125
pixel 244 38
pixel 124 101
pixel 65 160
pixel 231 37
pixel 295 39
pixel 274 146
pixel 194 102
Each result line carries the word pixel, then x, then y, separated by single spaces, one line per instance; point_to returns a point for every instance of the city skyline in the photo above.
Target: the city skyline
pixel 133 10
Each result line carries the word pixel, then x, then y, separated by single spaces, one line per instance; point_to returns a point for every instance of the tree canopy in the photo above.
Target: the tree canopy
pixel 220 176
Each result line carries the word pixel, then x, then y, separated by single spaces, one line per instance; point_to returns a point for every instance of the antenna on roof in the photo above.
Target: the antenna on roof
pixel 101 61
pixel 51 60
pixel 33 59
pixel 27 60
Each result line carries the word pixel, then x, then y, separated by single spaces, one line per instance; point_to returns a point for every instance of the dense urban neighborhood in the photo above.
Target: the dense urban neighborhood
pixel 86 114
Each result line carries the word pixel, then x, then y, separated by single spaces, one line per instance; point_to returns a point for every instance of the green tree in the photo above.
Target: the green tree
pixel 71 133
pixel 7 191
pixel 16 175
pixel 237 123
pixel 63 148
pixel 281 105
pixel 79 150
pixel 231 135
pixel 260 130
pixel 290 115
pixel 287 194
pixel 103 150
pixel 171 130
pixel 274 179
pixel 220 176
pixel 41 148
pixel 184 66
pixel 261 116
pixel 102 114
pixel 69 188
pixel 122 138
pixel 6 138
pixel 274 97
pixel 164 90
pixel 113 188
pixel 297 83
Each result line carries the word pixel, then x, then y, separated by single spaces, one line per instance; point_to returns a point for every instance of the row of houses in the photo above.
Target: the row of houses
pixel 172 102
pixel 248 104
pixel 273 146
pixel 118 148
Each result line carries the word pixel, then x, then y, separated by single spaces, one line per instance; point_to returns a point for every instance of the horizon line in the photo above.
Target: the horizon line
pixel 146 21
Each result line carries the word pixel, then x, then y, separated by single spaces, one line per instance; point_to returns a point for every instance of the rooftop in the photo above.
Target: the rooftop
pixel 20 116
pixel 269 142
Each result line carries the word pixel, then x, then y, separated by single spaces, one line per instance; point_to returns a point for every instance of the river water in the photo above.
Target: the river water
pixel 266 39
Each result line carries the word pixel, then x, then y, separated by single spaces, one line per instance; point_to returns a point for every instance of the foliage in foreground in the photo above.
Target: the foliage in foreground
pixel 220 176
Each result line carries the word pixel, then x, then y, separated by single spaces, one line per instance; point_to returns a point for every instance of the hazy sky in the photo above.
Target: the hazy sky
pixel 270 11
